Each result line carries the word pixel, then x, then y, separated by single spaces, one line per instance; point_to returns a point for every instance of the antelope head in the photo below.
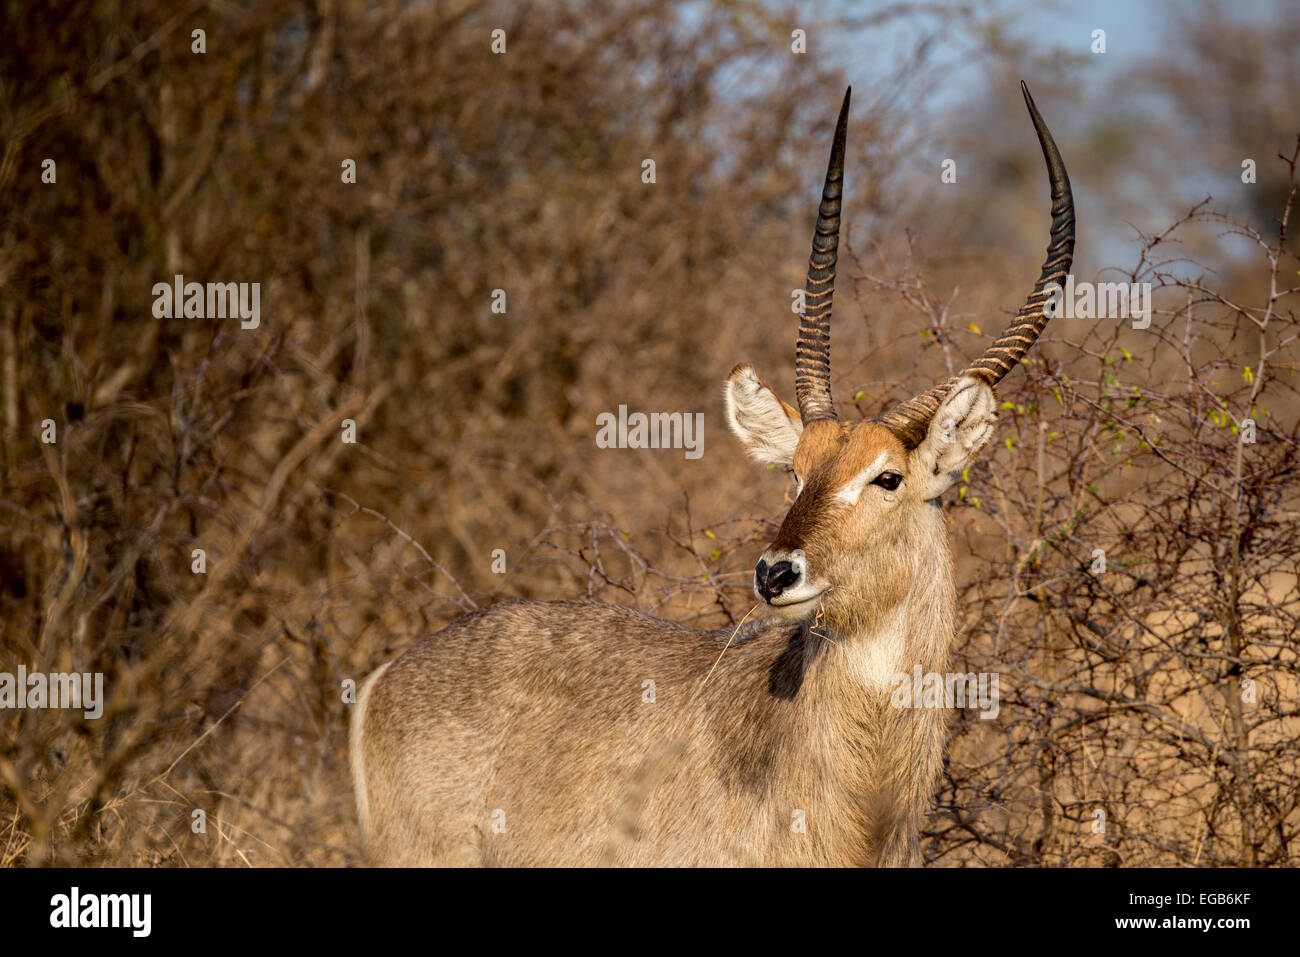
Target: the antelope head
pixel 865 515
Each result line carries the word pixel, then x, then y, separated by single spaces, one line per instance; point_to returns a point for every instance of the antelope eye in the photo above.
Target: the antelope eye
pixel 888 480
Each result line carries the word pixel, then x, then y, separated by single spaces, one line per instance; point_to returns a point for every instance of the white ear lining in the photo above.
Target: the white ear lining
pixel 758 419
pixel 961 426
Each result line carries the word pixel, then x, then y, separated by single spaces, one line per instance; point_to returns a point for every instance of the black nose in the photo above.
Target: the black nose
pixel 774 579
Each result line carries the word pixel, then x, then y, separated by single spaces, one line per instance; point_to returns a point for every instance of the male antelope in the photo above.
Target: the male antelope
pixel 518 735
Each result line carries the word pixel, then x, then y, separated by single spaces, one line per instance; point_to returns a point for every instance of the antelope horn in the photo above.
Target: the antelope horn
pixel 911 419
pixel 812 354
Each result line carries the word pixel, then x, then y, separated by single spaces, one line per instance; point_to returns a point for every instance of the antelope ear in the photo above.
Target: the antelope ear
pixel 767 427
pixel 961 426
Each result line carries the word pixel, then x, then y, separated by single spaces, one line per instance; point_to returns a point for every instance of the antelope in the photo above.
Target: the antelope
pixel 522 734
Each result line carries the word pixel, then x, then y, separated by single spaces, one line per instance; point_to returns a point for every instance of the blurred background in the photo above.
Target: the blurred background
pixel 1149 703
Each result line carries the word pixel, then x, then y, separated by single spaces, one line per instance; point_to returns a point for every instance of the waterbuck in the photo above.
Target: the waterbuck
pixel 522 734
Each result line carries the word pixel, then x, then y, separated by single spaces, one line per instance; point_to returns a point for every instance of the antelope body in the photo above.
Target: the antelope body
pixel 523 734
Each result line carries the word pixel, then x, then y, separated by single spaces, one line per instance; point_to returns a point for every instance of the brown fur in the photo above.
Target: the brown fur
pixel 536 711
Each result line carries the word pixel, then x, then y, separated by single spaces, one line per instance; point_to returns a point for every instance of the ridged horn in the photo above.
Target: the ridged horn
pixel 812 353
pixel 911 419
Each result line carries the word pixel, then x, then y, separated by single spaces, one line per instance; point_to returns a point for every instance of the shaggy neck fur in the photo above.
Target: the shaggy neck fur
pixel 872 765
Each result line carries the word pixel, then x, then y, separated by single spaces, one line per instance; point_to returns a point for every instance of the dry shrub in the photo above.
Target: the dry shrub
pixel 1122 691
